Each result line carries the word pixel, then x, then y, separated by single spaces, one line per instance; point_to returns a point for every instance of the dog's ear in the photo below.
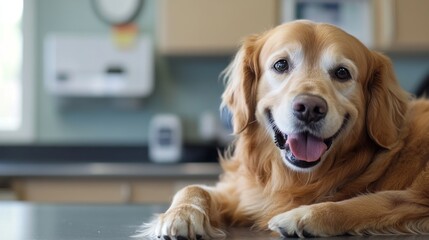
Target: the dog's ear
pixel 241 78
pixel 386 103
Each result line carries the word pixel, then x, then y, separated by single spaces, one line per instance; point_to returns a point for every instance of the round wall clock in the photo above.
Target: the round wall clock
pixel 115 12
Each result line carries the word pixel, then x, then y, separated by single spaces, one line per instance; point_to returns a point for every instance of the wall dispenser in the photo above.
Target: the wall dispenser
pixel 92 66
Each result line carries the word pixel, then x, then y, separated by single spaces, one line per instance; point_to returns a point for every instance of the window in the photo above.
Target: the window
pixel 16 70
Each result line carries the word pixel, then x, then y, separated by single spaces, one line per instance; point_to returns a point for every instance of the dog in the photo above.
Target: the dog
pixel 327 144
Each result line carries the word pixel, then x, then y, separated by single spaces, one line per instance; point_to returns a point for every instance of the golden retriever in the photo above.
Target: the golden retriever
pixel 327 143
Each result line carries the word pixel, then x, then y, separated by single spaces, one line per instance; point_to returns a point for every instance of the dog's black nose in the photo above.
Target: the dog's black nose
pixel 309 108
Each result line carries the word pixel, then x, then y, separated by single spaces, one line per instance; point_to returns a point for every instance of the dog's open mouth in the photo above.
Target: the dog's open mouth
pixel 302 149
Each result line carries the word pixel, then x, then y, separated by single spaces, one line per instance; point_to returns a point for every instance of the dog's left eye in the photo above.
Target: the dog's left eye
pixel 281 66
pixel 342 74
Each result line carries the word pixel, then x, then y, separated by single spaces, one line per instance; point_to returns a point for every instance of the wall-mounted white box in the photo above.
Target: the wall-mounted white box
pixel 93 66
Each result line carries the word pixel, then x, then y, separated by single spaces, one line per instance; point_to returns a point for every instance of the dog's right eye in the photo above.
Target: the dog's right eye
pixel 281 66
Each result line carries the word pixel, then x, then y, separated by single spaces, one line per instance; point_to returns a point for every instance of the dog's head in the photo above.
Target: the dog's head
pixel 314 88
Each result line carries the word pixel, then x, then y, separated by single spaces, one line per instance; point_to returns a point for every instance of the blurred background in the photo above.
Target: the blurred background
pixel 118 101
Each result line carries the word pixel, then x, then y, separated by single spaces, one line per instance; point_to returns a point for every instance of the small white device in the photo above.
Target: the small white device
pixel 165 138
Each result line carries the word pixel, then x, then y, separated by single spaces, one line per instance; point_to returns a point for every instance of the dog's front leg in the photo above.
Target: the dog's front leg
pixel 193 214
pixel 381 213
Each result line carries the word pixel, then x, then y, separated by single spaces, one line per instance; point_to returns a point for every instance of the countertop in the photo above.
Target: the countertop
pixel 26 221
pixel 105 161
pixel 112 169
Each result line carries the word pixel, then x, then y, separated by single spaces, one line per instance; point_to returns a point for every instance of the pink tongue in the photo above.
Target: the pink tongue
pixel 306 147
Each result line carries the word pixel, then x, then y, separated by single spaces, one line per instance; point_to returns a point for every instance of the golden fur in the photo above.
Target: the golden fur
pixel 373 180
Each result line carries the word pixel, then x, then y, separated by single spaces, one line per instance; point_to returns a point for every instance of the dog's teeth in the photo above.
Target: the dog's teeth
pixel 279 140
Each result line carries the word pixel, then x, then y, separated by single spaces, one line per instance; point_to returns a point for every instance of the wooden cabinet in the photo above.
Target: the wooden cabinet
pixel 402 25
pixel 206 27
pixel 189 27
pixel 72 190
pixel 95 190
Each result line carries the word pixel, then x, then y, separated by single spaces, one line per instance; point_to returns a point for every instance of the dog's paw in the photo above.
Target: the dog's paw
pixel 185 221
pixel 304 222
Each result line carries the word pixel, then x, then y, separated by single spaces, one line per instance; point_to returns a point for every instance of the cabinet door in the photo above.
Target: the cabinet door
pixel 163 190
pixel 211 27
pixel 92 190
pixel 412 19
pixel 66 190
pixel 402 24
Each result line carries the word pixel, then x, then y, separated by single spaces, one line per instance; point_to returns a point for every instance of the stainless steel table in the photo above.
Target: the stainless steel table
pixel 25 221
